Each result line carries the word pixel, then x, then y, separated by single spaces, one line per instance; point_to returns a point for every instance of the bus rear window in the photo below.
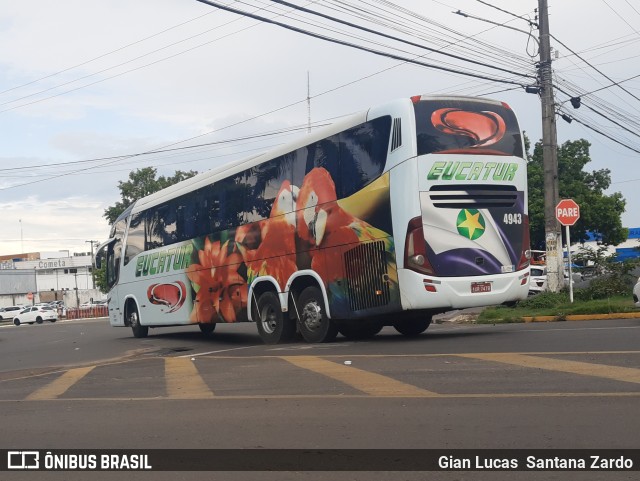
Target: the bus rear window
pixel 460 126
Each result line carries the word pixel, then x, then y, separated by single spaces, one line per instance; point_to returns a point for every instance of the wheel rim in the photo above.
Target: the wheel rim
pixel 312 315
pixel 133 319
pixel 268 319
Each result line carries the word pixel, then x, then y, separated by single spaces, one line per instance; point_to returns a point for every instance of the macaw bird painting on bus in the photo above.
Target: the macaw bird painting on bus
pixel 274 238
pixel 307 228
pixel 330 230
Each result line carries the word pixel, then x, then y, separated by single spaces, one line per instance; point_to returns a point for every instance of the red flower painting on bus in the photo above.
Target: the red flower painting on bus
pixel 483 128
pixel 221 289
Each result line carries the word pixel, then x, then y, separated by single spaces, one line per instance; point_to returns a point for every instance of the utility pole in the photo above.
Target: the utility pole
pixel 93 264
pixel 553 235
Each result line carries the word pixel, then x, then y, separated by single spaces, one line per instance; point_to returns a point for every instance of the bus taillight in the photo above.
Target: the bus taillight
pixel 525 257
pixel 415 248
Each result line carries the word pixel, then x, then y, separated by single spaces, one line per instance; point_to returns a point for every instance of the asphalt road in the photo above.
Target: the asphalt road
pixel 83 384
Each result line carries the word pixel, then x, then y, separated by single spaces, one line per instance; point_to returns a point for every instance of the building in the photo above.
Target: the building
pixel 47 276
pixel 629 249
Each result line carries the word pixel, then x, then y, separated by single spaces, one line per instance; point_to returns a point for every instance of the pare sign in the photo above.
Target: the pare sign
pixel 567 212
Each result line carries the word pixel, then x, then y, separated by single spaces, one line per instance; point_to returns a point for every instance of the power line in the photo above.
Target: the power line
pixel 126 156
pixel 104 54
pixel 358 47
pixel 392 37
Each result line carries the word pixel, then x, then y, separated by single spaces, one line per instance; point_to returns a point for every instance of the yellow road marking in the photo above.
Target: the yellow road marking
pixel 626 374
pixel 184 381
pixel 60 385
pixel 262 397
pixel 365 381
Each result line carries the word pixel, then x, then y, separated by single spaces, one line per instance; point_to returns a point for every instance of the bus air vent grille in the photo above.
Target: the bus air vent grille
pixel 396 137
pixel 473 196
pixel 367 278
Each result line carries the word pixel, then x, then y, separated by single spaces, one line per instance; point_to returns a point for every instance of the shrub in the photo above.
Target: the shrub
pixel 545 300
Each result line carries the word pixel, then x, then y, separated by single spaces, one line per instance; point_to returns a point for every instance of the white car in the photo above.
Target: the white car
pixel 636 293
pixel 538 281
pixel 37 314
pixel 9 312
pixel 94 303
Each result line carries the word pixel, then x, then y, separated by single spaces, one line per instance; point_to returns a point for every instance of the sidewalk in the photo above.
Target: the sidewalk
pixel 462 316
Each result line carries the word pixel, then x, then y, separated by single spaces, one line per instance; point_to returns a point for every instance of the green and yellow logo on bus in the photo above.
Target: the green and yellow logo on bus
pixel 470 224
pixel 467 171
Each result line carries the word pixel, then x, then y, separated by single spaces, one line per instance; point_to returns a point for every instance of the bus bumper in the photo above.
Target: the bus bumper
pixel 443 293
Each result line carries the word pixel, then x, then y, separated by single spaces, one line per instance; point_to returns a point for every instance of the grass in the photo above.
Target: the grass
pixel 557 305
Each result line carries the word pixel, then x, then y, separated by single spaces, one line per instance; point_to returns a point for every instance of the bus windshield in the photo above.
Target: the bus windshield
pixel 449 126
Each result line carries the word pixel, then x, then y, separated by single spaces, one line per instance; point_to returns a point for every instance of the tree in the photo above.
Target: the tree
pixel 101 278
pixel 599 213
pixel 142 182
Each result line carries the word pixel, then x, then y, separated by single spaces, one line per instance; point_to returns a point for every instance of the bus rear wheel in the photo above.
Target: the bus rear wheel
pixel 274 327
pixel 412 326
pixel 314 324
pixel 134 321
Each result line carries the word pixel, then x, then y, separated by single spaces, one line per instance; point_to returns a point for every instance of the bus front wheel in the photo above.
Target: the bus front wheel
pixel 412 326
pixel 134 321
pixel 273 325
pixel 314 324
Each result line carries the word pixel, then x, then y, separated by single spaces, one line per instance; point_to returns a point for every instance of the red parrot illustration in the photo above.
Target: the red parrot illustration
pixel 322 223
pixel 273 238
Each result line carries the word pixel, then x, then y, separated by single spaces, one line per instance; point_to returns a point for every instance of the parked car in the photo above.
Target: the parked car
pixel 538 281
pixel 9 312
pixel 93 304
pixel 636 293
pixel 37 314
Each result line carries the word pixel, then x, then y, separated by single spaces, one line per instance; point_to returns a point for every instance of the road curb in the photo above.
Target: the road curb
pixel 582 317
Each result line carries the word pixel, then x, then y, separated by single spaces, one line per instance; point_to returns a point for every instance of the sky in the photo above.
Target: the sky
pixel 86 88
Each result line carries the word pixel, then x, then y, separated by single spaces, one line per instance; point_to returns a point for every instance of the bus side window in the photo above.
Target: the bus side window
pixel 135 237
pixel 326 153
pixel 266 181
pixel 169 222
pixel 363 152
pixel 155 228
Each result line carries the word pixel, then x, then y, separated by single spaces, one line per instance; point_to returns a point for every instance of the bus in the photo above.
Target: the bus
pixel 386 218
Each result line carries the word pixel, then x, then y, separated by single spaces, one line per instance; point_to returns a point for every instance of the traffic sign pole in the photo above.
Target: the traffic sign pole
pixel 568 213
pixel 569 259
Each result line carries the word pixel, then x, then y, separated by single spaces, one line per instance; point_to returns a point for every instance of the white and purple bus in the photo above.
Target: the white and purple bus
pixel 406 210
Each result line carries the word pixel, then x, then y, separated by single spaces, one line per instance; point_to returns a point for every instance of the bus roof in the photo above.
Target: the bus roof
pixel 205 178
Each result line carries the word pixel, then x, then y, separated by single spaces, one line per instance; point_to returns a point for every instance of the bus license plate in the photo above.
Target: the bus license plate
pixel 480 287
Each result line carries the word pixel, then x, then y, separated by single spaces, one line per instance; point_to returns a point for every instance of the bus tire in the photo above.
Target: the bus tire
pixel 274 326
pixel 207 329
pixel 359 329
pixel 412 326
pixel 314 324
pixel 134 321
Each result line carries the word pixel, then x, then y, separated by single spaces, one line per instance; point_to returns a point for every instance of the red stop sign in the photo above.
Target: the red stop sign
pixel 567 212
